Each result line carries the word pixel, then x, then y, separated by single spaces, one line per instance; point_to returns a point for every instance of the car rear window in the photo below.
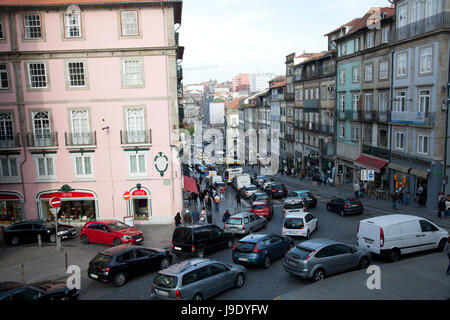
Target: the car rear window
pixel 182 235
pixel 258 206
pixel 234 221
pixel 278 187
pixel 165 281
pixel 293 223
pixel 352 201
pixel 293 205
pixel 301 252
pixel 261 196
pixel 101 259
pixel 245 246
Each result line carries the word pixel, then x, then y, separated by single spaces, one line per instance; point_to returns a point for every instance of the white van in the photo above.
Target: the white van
pixel 393 235
pixel 300 224
pixel 215 179
pixel 241 181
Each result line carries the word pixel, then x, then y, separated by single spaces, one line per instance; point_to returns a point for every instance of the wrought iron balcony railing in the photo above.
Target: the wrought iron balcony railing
pixel 81 139
pixel 42 140
pixel 136 137
pixel 10 140
pixel 422 26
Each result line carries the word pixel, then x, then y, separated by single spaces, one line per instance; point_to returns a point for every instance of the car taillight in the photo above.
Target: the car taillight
pixel 310 255
pixel 251 210
pixel 347 206
pixel 178 294
pixel 243 227
pixel 316 197
pixel 381 237
pixel 234 247
pixel 192 248
pixel 105 269
pixel 151 287
pixel 256 249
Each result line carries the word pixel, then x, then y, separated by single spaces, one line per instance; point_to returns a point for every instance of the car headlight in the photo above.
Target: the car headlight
pixel 126 237
pixel 60 233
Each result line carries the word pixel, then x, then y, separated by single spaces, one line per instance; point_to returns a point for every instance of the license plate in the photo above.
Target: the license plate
pixel 139 240
pixel 243 259
pixel 177 248
pixel 94 276
pixel 292 262
pixel 368 241
pixel 162 293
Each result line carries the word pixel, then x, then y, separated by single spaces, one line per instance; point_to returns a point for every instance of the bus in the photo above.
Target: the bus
pixel 230 173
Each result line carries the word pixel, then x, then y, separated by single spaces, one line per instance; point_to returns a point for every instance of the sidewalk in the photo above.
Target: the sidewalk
pixel 44 263
pixel 326 192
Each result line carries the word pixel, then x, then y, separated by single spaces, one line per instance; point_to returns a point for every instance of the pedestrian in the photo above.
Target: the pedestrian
pixel 356 189
pixel 405 195
pixel 419 194
pixel 194 199
pixel 217 202
pixel 209 202
pixel 394 198
pixel 447 206
pixel 442 208
pixel 282 172
pixel 365 187
pixel 226 215
pixel 203 216
pixel 177 220
pixel 361 189
pixel 190 198
pixel 238 199
pixel 201 197
pixel 447 252
pixel 195 216
pixel 400 194
pixel 187 218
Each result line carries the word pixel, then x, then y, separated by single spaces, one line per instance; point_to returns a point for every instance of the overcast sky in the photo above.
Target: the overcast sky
pixel 251 36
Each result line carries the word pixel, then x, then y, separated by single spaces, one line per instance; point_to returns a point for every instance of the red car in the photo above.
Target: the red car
pixel 263 208
pixel 110 232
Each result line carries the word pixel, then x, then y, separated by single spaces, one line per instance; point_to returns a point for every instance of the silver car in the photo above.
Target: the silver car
pixel 318 258
pixel 244 223
pixel 196 279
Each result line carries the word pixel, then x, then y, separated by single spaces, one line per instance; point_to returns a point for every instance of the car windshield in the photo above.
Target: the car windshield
pixel 278 187
pixel 165 281
pixel 293 223
pixel 234 221
pixel 182 235
pixel 115 226
pixel 261 196
pixel 307 194
pixel 245 246
pixel 251 188
pixel 258 206
pixel 49 224
pixel 268 181
pixel 301 252
pixel 293 205
pixel 101 259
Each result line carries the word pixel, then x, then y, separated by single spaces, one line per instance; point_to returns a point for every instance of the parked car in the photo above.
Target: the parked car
pixel 394 235
pixel 318 258
pixel 39 291
pixel 199 240
pixel 259 196
pixel 196 279
pixel 263 208
pixel 310 198
pixel 248 191
pixel 118 264
pixel 296 204
pixel 244 223
pixel 111 232
pixel 277 191
pixel 299 224
pixel 28 231
pixel 260 249
pixel 345 206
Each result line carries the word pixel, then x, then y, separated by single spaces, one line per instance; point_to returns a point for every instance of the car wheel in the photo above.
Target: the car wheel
pixel 291 244
pixel 85 239
pixel 201 253
pixel 117 242
pixel 240 280
pixel 394 255
pixel 319 275
pixel 197 297
pixel 441 245
pixel 342 213
pixel 165 263
pixel 120 279
pixel 15 241
pixel 308 235
pixel 266 262
pixel 230 243
pixel 53 238
pixel 328 208
pixel 364 263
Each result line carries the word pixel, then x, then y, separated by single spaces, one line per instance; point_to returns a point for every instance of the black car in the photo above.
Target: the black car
pixel 259 196
pixel 118 264
pixel 345 206
pixel 27 232
pixel 278 190
pixel 199 239
pixel 42 291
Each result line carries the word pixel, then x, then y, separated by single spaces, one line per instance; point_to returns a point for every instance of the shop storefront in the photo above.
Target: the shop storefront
pixel 76 205
pixel 140 205
pixel 11 207
pixel 381 179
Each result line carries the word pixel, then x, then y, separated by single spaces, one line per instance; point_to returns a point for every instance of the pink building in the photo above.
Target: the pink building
pixel 240 79
pixel 89 109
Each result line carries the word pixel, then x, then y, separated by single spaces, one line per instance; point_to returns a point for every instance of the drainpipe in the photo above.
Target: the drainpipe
pixel 446 120
pixel 392 92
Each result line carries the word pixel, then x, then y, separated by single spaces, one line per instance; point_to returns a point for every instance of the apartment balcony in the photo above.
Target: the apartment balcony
pixel 418 118
pixel 379 152
pixel 326 129
pixel 80 139
pixel 143 137
pixel 45 140
pixel 289 96
pixel 311 105
pixel 422 26
pixel 311 126
pixel 10 141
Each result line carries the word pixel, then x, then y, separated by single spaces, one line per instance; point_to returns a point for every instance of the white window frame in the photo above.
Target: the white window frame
pixel 2 29
pixel 370 40
pixel 368 97
pixel 342 76
pixel 356 74
pixel 383 70
pixel 342 102
pixel 400 102
pixel 354 133
pixel 9 178
pixel 357 44
pixel 402 64
pixel 127 33
pixel 424 101
pixel 324 93
pixel 139 75
pixel 356 97
pixel 383 98
pixel 421 144
pixel 317 93
pixel 425 61
pixel 5 72
pixel 83 176
pixel 81 75
pixel 139 174
pixel 342 131
pixel 385 34
pixel 397 141
pixel 25 26
pixel 69 25
pixel 46 177
pixel 45 75
pixel 367 73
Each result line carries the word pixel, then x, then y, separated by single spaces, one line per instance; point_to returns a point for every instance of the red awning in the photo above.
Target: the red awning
pixel 190 185
pixel 371 162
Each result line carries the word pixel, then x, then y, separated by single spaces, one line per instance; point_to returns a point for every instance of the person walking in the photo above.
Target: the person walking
pixel 187 218
pixel 203 215
pixel 190 198
pixel 447 252
pixel 177 220
pixel 238 199
pixel 195 216
pixel 405 195
pixel 442 208
pixel 356 189
pixel 394 198
pixel 447 206
pixel 201 197
pixel 217 202
pixel 226 215
pixel 209 202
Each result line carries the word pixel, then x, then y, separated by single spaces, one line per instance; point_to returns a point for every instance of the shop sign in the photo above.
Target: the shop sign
pixel 139 193
pixel 67 195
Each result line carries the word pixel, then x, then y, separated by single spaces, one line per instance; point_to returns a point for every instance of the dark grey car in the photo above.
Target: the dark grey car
pixel 196 279
pixel 319 258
